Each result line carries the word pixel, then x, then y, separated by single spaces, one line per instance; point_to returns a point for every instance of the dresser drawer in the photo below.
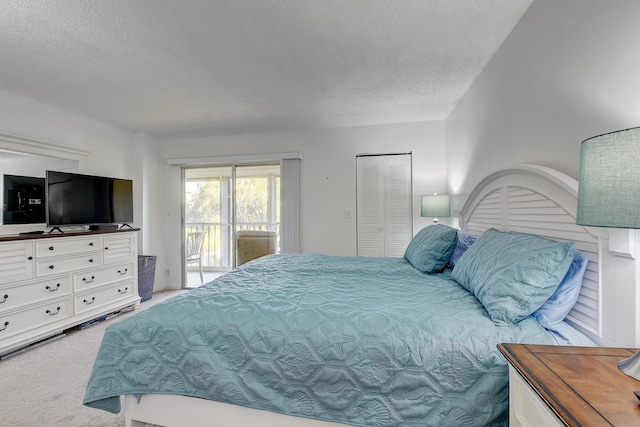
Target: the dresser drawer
pixel 102 276
pixel 45 280
pixel 49 267
pixel 103 296
pixel 59 247
pixel 526 408
pixel 34 292
pixel 19 321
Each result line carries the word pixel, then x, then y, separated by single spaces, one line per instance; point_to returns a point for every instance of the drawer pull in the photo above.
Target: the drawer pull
pixel 51 313
pixel 5 326
pixel 91 260
pixel 89 302
pixel 30 258
pixel 91 244
pixel 51 248
pixel 51 267
pixel 123 292
pixel 85 280
pixel 106 248
pixel 6 297
pixel 50 289
pixel 122 273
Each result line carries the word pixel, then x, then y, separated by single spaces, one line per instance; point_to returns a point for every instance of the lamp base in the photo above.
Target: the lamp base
pixel 631 366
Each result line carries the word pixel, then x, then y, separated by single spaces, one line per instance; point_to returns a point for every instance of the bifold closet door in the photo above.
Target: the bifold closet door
pixel 383 210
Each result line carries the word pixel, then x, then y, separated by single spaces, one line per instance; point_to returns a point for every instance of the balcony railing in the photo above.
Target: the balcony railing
pixel 217 248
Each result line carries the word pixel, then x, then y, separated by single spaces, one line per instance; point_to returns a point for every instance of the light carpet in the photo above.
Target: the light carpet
pixel 45 386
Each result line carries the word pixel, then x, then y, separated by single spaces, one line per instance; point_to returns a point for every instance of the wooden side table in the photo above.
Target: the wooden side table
pixel 569 386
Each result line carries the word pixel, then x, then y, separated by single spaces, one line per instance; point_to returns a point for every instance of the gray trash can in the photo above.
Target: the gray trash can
pixel 146 274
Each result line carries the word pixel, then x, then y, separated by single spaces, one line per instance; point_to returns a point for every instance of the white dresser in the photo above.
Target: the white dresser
pixel 52 282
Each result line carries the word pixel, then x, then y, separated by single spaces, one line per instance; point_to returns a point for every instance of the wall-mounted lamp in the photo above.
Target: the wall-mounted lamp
pixel 435 206
pixel 609 192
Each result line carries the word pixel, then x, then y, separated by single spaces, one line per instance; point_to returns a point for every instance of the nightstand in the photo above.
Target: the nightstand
pixel 569 386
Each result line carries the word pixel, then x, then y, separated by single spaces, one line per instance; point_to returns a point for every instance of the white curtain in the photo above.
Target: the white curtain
pixel 290 212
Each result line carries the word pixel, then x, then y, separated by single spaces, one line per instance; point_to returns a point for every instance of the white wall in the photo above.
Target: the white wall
pixel 328 176
pixel 149 194
pixel 568 71
pixel 112 152
pixel 108 146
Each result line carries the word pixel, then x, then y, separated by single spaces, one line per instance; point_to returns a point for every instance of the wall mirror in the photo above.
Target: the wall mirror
pixel 28 157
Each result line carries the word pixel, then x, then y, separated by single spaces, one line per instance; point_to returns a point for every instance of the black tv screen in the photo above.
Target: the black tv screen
pixel 76 199
pixel 23 200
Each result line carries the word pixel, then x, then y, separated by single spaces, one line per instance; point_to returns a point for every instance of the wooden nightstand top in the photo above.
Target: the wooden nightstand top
pixel 583 385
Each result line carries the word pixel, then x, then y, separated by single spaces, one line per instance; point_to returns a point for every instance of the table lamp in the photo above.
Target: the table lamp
pixel 435 206
pixel 609 192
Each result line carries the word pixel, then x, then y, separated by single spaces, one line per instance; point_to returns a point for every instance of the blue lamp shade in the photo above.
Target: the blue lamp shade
pixel 609 186
pixel 435 206
pixel 609 192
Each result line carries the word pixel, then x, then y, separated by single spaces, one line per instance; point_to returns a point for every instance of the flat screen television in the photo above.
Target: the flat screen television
pixel 76 199
pixel 23 200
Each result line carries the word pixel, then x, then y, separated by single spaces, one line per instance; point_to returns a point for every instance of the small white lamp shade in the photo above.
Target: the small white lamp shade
pixel 609 186
pixel 435 206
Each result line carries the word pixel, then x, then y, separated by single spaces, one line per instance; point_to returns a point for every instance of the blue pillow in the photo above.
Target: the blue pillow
pixel 564 298
pixel 512 274
pixel 431 248
pixel 465 240
pixel 565 334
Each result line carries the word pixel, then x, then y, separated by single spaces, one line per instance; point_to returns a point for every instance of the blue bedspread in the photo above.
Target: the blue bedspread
pixel 356 340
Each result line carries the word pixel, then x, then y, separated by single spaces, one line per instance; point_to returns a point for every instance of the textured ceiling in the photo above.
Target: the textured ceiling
pixel 175 68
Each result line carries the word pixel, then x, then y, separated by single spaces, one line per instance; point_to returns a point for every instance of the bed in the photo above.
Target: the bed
pixel 313 340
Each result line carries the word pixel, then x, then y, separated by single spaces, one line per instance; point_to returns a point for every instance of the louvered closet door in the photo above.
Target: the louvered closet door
pixel 384 204
pixel 370 206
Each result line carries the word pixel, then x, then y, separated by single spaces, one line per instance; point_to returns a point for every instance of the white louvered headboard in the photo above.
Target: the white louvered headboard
pixel 539 200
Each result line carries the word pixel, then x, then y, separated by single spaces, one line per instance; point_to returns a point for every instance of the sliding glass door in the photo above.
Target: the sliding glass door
pixel 220 202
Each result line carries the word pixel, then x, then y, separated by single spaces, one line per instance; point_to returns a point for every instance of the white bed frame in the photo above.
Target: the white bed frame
pixel 523 198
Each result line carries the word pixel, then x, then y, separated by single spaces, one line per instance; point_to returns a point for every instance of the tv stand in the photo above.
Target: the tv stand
pixel 53 282
pixel 54 229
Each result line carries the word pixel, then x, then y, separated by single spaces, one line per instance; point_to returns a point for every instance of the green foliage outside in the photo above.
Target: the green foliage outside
pixel 203 201
pixel 252 200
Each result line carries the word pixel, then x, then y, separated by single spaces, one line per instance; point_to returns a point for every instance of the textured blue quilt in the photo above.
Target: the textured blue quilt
pixel 356 340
